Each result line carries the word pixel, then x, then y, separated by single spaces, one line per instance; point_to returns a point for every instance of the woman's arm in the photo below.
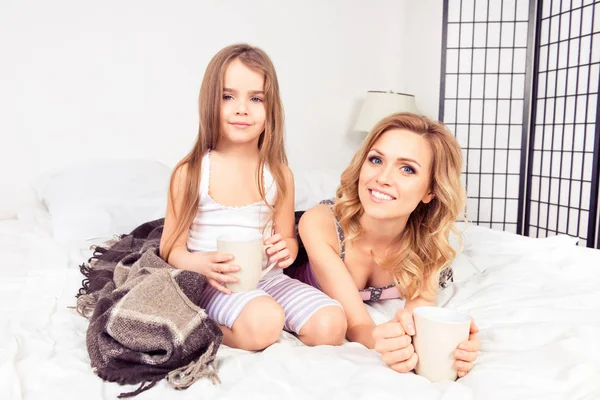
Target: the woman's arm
pixel 393 339
pixel 318 233
pixel 285 244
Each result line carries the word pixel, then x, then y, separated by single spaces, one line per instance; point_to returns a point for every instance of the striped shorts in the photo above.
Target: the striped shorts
pixel 298 300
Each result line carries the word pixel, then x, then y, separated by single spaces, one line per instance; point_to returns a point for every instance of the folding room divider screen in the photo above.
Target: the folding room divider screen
pixel 519 89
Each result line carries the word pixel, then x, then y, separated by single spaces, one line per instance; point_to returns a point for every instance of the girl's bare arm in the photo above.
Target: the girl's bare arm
pixel 210 264
pixel 285 244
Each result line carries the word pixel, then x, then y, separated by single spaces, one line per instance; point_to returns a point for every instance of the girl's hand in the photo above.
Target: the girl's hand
pixel 467 352
pixel 393 340
pixel 279 251
pixel 213 266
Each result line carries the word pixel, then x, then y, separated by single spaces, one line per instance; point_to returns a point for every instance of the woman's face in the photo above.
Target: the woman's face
pixel 394 177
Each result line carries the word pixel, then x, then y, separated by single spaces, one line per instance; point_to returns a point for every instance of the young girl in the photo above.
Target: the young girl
pixel 386 234
pixel 236 179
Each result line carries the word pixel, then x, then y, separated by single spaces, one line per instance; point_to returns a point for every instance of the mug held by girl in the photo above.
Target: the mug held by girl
pixel 248 251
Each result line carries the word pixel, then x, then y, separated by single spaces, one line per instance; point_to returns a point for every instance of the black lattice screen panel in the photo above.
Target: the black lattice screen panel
pixel 483 99
pixel 562 191
pixel 519 90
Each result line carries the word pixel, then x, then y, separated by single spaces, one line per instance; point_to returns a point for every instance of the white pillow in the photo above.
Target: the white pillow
pixel 16 197
pixel 463 268
pixel 486 248
pixel 314 185
pixel 104 197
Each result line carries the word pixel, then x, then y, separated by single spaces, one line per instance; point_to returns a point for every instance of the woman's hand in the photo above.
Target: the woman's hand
pixel 213 266
pixel 393 340
pixel 467 352
pixel 279 251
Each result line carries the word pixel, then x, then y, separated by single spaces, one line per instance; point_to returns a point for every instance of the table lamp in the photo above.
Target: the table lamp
pixel 379 104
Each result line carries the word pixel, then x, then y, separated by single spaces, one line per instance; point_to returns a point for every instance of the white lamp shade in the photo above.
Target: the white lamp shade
pixel 379 105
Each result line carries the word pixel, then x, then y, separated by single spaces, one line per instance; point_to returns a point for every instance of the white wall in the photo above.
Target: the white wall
pixel 423 31
pixel 81 79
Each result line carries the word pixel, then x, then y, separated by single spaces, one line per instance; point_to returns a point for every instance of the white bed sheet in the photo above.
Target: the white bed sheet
pixel 538 310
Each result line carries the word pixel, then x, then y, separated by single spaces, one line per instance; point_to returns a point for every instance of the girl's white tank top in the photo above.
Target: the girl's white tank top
pixel 213 219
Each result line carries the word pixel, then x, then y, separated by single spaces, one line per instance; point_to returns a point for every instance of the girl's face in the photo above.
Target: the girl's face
pixel 242 104
pixel 394 177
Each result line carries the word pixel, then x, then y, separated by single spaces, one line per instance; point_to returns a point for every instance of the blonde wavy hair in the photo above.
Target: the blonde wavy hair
pixel 270 144
pixel 424 246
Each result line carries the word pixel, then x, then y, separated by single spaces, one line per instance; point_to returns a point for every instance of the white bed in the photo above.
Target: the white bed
pixel 536 301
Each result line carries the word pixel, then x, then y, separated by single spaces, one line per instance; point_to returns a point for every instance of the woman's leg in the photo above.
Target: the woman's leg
pixel 311 314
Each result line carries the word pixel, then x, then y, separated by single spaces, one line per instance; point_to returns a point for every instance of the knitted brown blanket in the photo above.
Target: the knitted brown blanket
pixel 145 323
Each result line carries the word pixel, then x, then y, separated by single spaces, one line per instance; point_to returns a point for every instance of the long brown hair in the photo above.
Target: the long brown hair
pixel 270 143
pixel 424 247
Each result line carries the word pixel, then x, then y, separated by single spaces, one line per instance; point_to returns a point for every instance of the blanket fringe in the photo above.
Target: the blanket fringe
pixel 184 377
pixel 98 251
pixel 143 387
pixel 86 301
pixel 108 244
pixel 85 269
pixel 86 304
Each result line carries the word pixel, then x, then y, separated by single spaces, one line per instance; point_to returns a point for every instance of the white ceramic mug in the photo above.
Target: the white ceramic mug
pixel 248 251
pixel 439 331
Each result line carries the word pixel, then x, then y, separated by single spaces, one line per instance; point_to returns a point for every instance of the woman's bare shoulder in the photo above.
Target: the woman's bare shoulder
pixel 318 215
pixel 318 225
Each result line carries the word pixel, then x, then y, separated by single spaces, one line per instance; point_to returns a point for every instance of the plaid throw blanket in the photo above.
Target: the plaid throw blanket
pixel 145 322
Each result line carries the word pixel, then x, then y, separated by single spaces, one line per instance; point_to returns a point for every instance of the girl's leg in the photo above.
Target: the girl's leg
pixel 249 320
pixel 257 327
pixel 326 326
pixel 311 314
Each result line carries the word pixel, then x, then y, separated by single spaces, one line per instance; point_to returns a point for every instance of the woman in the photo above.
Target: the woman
pixel 386 234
